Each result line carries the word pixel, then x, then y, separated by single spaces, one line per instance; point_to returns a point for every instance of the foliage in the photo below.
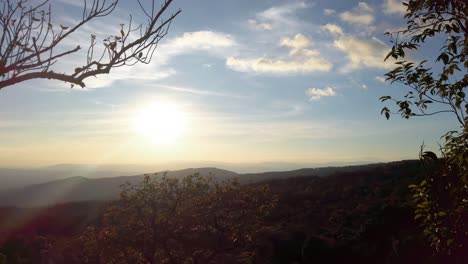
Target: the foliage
pixel 352 216
pixel 441 200
pixel 32 43
pixel 428 85
pixel 171 220
pixel 442 197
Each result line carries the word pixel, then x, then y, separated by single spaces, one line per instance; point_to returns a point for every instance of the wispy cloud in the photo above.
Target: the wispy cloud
pixel 198 91
pixel 264 65
pixel 367 53
pixel 281 13
pixel 333 29
pixel 393 7
pixel 207 41
pixel 317 93
pixel 380 79
pixel 259 26
pixel 361 14
pixel 269 131
pixel 281 17
pixel 140 72
pixel 211 42
pixel 301 60
pixel 329 12
pixel 72 2
pixel 361 50
pixel 297 44
pixel 200 40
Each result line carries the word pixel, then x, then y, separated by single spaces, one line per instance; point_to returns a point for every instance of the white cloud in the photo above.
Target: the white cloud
pixel 380 79
pixel 72 3
pixel 333 29
pixel 281 17
pixel 361 14
pixel 265 65
pixel 393 7
pixel 298 42
pixel 301 60
pixel 395 29
pixel 317 93
pixel 369 53
pixel 299 46
pixel 281 13
pixel 364 7
pixel 202 40
pixel 139 71
pixel 365 19
pixel 207 41
pixel 213 43
pixel 193 90
pixel 259 26
pixel 329 12
pixel 360 52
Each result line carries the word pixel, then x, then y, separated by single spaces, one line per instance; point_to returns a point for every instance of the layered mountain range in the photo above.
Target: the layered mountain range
pixel 80 188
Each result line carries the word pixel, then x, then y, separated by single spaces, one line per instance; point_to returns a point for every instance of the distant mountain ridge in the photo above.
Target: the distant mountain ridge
pixel 21 177
pixel 78 188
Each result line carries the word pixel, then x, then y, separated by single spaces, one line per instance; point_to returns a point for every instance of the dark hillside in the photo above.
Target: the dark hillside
pixel 79 189
pixel 363 216
pixel 359 216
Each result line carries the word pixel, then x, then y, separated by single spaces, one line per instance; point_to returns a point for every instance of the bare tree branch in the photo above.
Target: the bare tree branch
pixel 29 41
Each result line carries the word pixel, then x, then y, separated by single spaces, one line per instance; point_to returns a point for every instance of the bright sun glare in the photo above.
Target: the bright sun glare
pixel 162 123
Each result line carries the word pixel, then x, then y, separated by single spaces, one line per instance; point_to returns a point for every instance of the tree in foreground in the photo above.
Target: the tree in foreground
pixel 437 87
pixel 171 220
pixel 32 43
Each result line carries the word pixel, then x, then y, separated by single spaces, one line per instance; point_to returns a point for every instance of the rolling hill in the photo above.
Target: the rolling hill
pixel 78 188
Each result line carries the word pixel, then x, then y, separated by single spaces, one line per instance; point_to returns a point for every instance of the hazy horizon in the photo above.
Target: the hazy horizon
pixel 241 167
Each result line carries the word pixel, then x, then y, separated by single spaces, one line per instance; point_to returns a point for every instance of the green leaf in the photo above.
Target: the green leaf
pixel 384 98
pixel 444 57
pixel 441 213
pixel 429 155
pixel 450 242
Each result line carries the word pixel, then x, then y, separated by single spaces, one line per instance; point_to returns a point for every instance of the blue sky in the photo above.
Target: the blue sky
pixel 256 81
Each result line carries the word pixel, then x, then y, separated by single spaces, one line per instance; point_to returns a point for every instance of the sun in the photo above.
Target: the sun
pixel 162 123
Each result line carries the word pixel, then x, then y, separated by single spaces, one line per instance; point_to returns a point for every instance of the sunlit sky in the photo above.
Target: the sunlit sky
pixel 237 81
